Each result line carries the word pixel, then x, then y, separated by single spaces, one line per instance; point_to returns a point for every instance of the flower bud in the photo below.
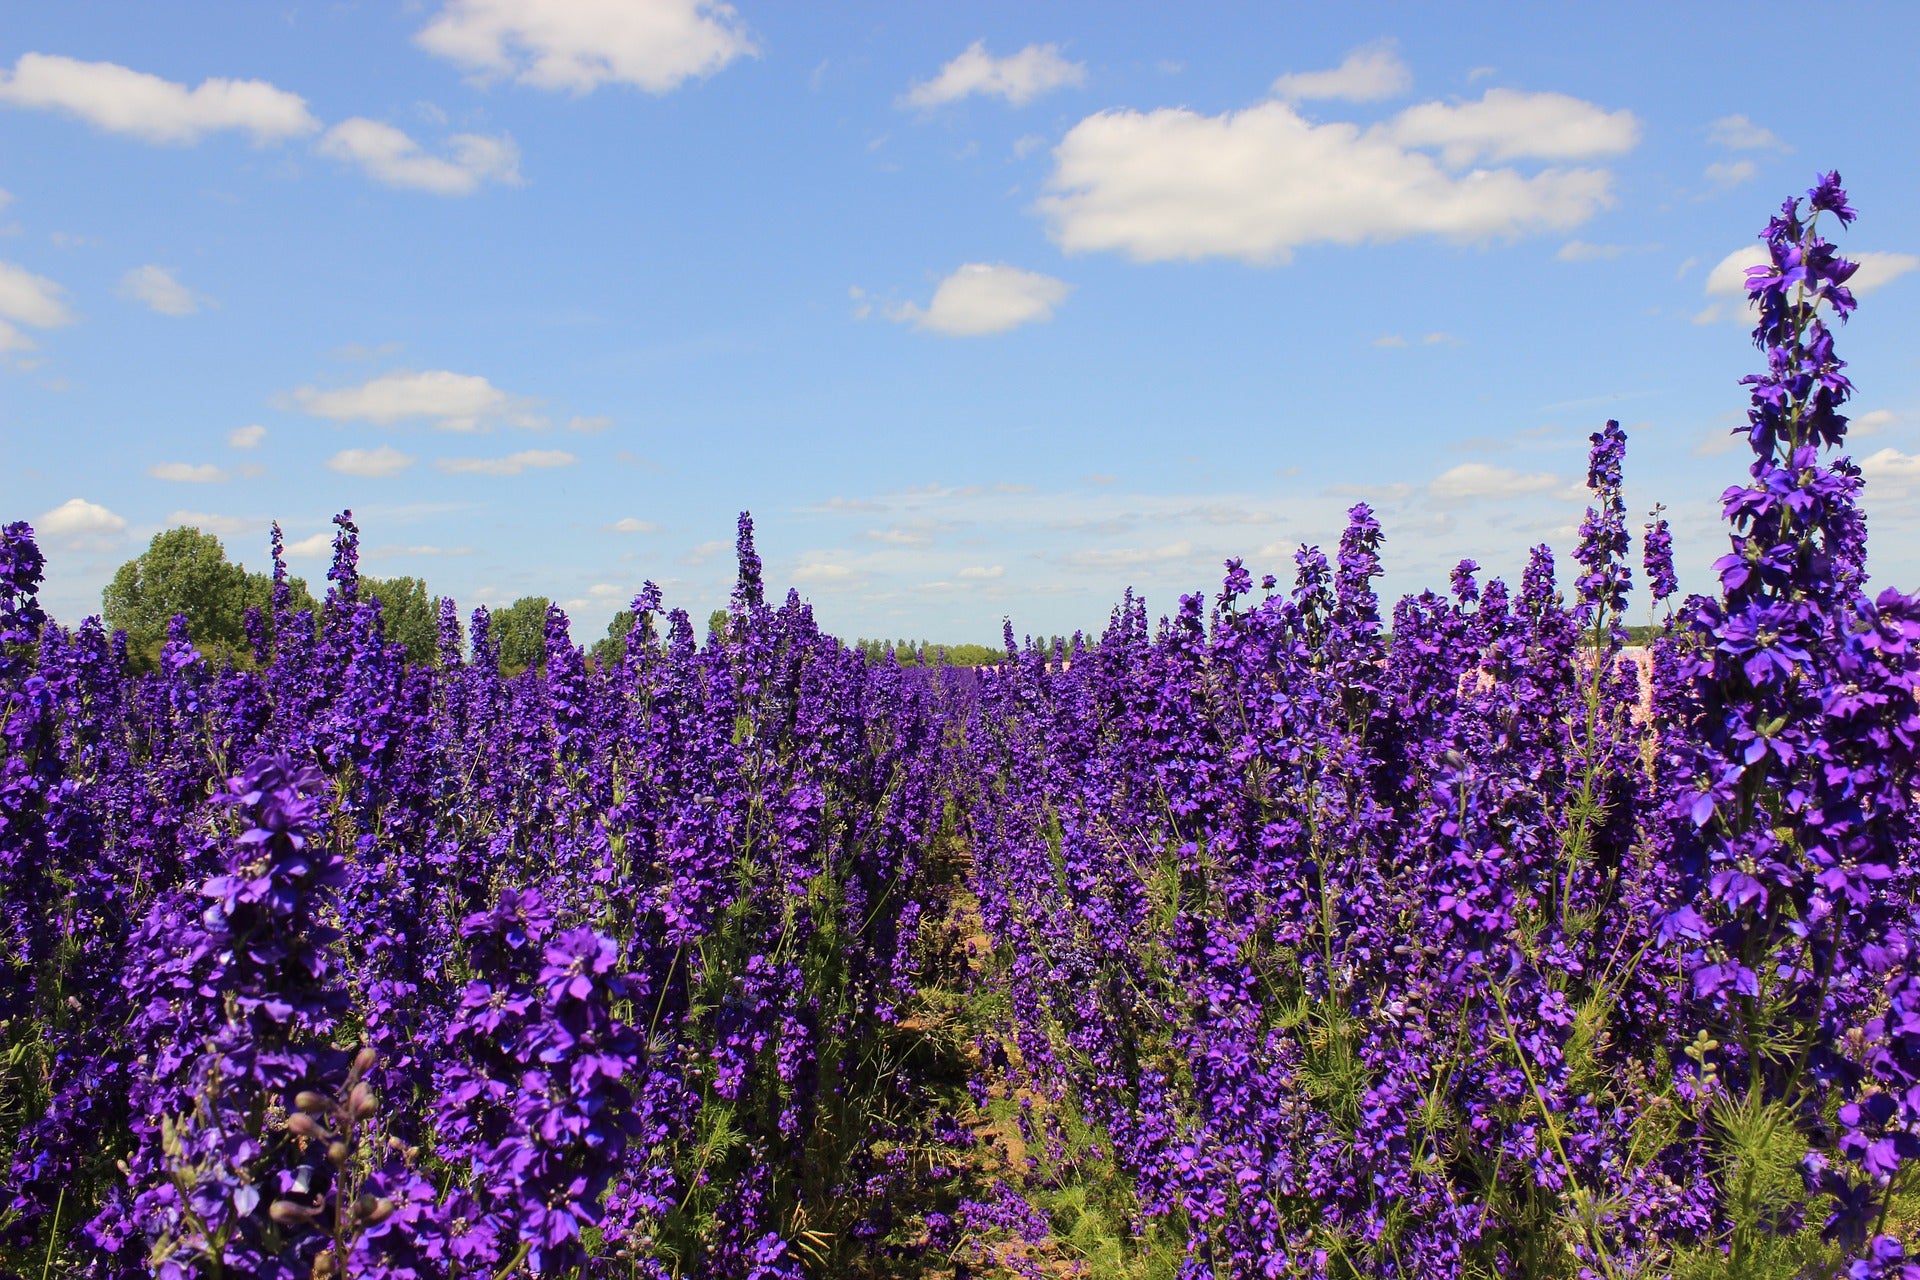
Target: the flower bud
pixel 372 1209
pixel 363 1063
pixel 360 1103
pixel 290 1213
pixel 324 1265
pixel 337 1153
pixel 302 1125
pixel 313 1103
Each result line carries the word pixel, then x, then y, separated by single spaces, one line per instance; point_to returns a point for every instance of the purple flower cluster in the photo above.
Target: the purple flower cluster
pixel 340 964
pixel 1432 952
pixel 1313 939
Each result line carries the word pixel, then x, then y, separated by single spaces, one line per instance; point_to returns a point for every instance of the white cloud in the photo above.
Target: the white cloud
pixel 1506 124
pixel 316 544
pixel 1729 277
pixel 1389 340
pixel 120 100
pixel 577 45
pixel 1258 183
pixel 1891 465
pixel 160 291
pixel 1730 173
pixel 1873 422
pixel 511 465
pixel 1026 144
pixel 28 299
pixel 1877 269
pixel 1581 251
pixel 632 524
pixel 187 472
pixel 817 572
pixel 1737 133
pixel 1131 557
pixel 78 518
pixel 1482 480
pixel 247 437
pixel 1368 74
pixel 452 401
pixel 207 522
pixel 982 298
pixel 371 464
pixel 1019 78
pixel 388 155
pixel 589 426
pixel 984 572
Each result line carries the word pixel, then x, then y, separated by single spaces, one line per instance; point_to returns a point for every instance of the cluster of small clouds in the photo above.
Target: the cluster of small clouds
pixel 30 300
pixel 566 45
pixel 1258 183
pixel 1738 133
pixel 448 401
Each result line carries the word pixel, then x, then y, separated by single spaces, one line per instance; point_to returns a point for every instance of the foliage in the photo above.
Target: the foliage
pixel 184 571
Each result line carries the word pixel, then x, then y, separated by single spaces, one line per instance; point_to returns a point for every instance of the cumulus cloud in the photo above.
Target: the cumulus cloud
pixel 632 524
pixel 982 298
pixel 984 572
pixel 316 544
pixel 208 522
pixel 578 45
pixel 30 300
pixel 1891 465
pixel 1727 174
pixel 121 100
pixel 511 465
pixel 78 518
pixel 1258 183
pixel 370 464
pixel 451 401
pixel 1472 480
pixel 247 437
pixel 1737 133
pixel 1506 124
pixel 1368 74
pixel 820 572
pixel 1019 78
pixel 1729 276
pixel 1873 422
pixel 161 291
pixel 1877 269
pixel 388 155
pixel 187 472
pixel 1130 557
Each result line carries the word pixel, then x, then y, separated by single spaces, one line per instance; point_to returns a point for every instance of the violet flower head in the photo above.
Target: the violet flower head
pixel 1656 551
pixel 345 570
pixel 748 590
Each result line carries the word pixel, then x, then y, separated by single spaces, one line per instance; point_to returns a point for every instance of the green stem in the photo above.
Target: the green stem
pixel 53 1233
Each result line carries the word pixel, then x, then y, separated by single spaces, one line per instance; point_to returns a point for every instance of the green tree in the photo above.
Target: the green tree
pixel 520 633
pixel 185 571
pixel 608 650
pixel 410 614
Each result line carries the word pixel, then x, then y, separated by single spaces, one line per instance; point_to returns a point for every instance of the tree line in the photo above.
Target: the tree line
pixel 185 571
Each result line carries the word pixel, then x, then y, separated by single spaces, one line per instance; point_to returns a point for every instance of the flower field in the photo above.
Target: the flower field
pixel 1296 935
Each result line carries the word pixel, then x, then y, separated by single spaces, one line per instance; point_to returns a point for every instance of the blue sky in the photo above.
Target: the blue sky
pixel 983 310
